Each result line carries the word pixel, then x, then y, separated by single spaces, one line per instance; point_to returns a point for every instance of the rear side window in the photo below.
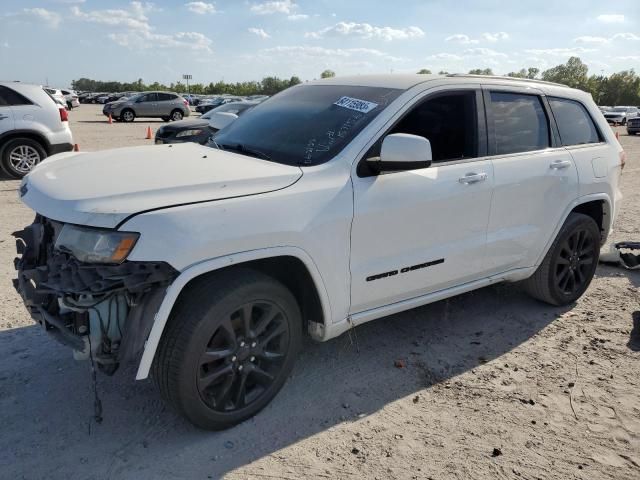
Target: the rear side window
pixel 574 122
pixel 519 123
pixel 166 96
pixel 11 97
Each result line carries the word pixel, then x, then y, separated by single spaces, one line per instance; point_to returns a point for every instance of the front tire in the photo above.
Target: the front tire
pixel 128 115
pixel 20 156
pixel 228 348
pixel 568 268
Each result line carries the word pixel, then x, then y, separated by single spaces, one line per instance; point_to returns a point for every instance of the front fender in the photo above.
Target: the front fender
pixel 193 271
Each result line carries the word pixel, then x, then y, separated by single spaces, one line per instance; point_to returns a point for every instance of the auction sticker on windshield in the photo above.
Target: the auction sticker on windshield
pixel 356 104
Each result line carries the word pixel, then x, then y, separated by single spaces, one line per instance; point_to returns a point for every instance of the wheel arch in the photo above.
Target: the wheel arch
pixel 30 134
pixel 292 266
pixel 598 206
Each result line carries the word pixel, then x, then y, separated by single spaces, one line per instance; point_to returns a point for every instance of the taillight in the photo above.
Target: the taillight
pixel 186 104
pixel 623 159
pixel 64 116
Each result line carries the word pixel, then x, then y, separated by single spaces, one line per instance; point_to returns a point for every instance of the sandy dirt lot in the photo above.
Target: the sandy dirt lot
pixel 495 385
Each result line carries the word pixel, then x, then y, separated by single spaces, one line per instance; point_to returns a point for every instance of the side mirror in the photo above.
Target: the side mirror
pixel 219 120
pixel 403 151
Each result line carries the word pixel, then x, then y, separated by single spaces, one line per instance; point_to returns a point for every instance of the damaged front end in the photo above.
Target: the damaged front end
pixel 103 311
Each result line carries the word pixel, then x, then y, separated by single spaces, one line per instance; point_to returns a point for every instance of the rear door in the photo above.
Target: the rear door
pixel 6 114
pixel 535 178
pixel 166 103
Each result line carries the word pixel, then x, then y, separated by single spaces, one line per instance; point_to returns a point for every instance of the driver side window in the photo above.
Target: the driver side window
pixel 448 120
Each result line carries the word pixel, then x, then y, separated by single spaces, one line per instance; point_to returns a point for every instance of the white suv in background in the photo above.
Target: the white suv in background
pixel 32 127
pixel 331 204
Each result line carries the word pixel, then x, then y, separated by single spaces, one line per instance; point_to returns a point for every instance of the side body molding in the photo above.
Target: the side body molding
pixel 206 266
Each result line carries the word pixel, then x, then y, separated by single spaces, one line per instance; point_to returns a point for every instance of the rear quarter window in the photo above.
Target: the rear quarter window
pixel 575 125
pixel 9 97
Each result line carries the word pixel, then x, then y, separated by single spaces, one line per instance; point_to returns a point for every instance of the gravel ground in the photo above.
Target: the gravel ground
pixel 492 385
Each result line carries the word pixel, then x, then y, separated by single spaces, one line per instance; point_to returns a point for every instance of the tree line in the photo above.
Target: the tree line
pixel 621 88
pixel 267 86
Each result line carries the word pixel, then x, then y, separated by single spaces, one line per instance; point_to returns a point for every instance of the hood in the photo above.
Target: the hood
pixel 184 124
pixel 103 188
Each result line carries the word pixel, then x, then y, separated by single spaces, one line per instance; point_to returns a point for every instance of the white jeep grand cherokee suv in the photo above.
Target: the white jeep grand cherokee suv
pixel 331 204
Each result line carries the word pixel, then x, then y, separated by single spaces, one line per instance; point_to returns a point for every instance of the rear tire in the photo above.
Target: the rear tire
pixel 127 115
pixel 177 115
pixel 569 265
pixel 165 119
pixel 20 156
pixel 229 345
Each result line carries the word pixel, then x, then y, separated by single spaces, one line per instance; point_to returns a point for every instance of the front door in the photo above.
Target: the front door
pixel 419 231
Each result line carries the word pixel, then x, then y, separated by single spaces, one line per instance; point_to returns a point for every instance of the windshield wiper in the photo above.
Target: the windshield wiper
pixel 238 147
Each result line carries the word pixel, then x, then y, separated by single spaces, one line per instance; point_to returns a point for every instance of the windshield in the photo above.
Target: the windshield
pixel 620 109
pixel 308 124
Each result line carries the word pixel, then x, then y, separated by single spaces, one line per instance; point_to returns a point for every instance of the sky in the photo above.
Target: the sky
pixel 56 41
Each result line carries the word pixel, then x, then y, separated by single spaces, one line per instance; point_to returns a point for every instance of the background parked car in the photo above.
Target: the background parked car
pixel 165 105
pixel 633 125
pixel 71 98
pixel 200 129
pixel 621 114
pixel 209 104
pixel 32 127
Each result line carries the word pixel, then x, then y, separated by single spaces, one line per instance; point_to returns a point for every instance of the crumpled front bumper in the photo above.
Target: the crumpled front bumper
pixel 46 276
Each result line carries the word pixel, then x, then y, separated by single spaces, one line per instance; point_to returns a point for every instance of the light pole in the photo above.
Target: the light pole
pixel 187 78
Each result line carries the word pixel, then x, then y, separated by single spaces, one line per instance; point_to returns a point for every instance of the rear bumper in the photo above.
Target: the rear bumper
pixel 60 148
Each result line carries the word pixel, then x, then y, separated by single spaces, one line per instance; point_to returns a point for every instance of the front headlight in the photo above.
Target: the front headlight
pixel 96 246
pixel 189 133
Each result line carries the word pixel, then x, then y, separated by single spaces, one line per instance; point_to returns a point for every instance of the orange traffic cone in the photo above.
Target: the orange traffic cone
pixel 148 137
pixel 110 119
pixel 76 147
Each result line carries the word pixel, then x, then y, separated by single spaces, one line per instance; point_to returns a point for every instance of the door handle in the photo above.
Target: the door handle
pixel 2 117
pixel 471 178
pixel 560 164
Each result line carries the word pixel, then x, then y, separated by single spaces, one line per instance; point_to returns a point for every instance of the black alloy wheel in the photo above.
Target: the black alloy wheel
pixel 243 356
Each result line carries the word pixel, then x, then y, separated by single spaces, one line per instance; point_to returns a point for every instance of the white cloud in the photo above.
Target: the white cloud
pixel 559 52
pixel 137 32
pixel 134 19
pixel 321 52
pixel 364 30
pixel 259 32
pixel 141 40
pixel 625 36
pixel 445 56
pixel 610 18
pixel 201 8
pixel 483 52
pixel 593 40
pixel 298 16
pixel 5 44
pixel 52 19
pixel 633 58
pixel 267 8
pixel 495 37
pixel 461 38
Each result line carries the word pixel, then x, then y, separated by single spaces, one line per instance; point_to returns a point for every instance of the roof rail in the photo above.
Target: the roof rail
pixel 500 77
